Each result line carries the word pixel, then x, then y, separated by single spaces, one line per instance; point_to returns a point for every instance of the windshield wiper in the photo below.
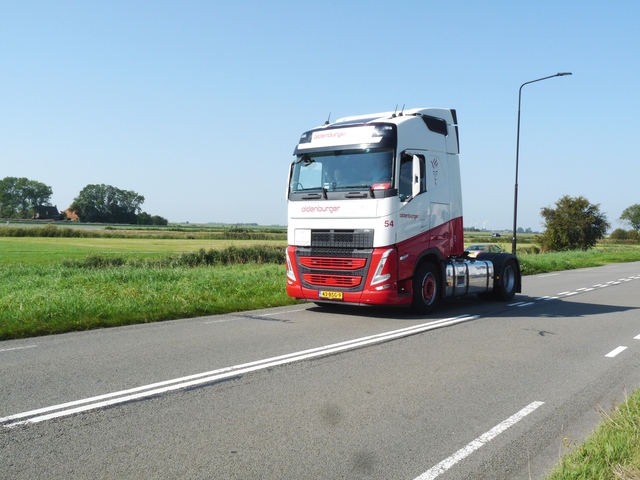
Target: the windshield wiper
pixel 321 191
pixel 359 187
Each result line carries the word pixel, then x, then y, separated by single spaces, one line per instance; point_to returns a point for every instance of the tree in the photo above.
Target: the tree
pixel 631 215
pixel 106 204
pixel 19 196
pixel 575 224
pixel 618 234
pixel 145 219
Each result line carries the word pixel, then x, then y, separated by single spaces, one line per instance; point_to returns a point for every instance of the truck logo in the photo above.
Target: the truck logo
pixel 318 209
pixel 319 135
pixel 434 167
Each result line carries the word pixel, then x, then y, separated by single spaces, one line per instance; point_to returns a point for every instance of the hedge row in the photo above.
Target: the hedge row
pixel 228 256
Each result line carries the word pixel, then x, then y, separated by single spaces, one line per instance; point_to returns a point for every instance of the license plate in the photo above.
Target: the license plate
pixel 330 295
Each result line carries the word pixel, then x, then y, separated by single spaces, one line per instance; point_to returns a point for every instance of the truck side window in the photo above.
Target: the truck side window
pixel 406 172
pixel 406 169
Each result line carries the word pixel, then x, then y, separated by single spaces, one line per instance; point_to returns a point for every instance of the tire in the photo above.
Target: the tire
pixel 506 289
pixel 426 288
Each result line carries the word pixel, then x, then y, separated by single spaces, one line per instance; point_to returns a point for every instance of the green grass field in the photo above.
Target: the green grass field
pixel 59 284
pixel 53 250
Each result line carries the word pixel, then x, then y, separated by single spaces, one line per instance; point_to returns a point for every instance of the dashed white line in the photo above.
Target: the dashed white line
pixel 615 352
pixel 567 294
pixel 483 439
pixel 637 337
pixel 526 304
pixel 17 348
pixel 209 322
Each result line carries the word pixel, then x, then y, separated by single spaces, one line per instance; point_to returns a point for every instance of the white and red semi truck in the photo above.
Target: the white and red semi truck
pixel 375 215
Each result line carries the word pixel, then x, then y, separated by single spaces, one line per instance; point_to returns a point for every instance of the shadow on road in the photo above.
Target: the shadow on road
pixel 520 306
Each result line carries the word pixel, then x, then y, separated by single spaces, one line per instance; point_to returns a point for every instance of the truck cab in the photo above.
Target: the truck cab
pixel 375 214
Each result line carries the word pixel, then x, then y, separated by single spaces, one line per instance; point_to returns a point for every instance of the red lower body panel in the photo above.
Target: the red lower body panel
pixel 367 276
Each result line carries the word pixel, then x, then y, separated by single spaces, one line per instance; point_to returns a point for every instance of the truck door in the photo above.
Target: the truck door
pixel 414 204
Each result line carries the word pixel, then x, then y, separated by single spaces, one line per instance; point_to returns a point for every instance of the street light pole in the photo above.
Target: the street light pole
pixel 515 194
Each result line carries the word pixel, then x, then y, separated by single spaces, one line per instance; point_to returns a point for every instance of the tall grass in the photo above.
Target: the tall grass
pixel 40 300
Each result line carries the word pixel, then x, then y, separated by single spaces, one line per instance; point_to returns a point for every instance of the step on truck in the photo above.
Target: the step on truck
pixel 375 216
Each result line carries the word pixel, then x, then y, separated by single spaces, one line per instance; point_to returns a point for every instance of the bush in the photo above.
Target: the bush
pixel 232 256
pixel 618 234
pixel 229 256
pixel 94 262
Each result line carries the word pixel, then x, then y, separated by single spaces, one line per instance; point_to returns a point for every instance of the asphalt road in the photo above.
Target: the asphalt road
pixel 479 390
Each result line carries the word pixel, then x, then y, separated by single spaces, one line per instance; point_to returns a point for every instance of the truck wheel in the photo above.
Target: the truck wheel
pixel 508 281
pixel 426 288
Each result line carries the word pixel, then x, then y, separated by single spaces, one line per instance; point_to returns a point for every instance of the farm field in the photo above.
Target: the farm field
pixel 53 250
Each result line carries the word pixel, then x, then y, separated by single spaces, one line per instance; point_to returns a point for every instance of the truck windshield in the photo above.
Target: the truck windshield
pixel 347 169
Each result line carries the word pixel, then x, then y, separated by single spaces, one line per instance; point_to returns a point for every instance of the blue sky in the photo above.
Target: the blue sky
pixel 197 105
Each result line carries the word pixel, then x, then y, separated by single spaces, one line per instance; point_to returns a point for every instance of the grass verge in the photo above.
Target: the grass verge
pixel 41 300
pixel 532 264
pixel 612 451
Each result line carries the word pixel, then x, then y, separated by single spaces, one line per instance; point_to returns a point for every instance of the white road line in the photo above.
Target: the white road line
pixel 123 396
pixel 483 439
pixel 521 304
pixel 615 352
pixel 238 317
pixel 280 313
pixel 17 348
pixel 637 337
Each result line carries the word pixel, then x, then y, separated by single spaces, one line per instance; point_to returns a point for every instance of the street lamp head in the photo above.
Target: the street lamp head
pixel 562 74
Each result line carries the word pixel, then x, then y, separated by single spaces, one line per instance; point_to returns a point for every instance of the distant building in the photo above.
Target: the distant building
pixel 71 215
pixel 46 212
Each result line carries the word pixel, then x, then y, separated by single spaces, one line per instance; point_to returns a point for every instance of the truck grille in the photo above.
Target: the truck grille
pixel 337 259
pixel 342 238
pixel 333 263
pixel 331 280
